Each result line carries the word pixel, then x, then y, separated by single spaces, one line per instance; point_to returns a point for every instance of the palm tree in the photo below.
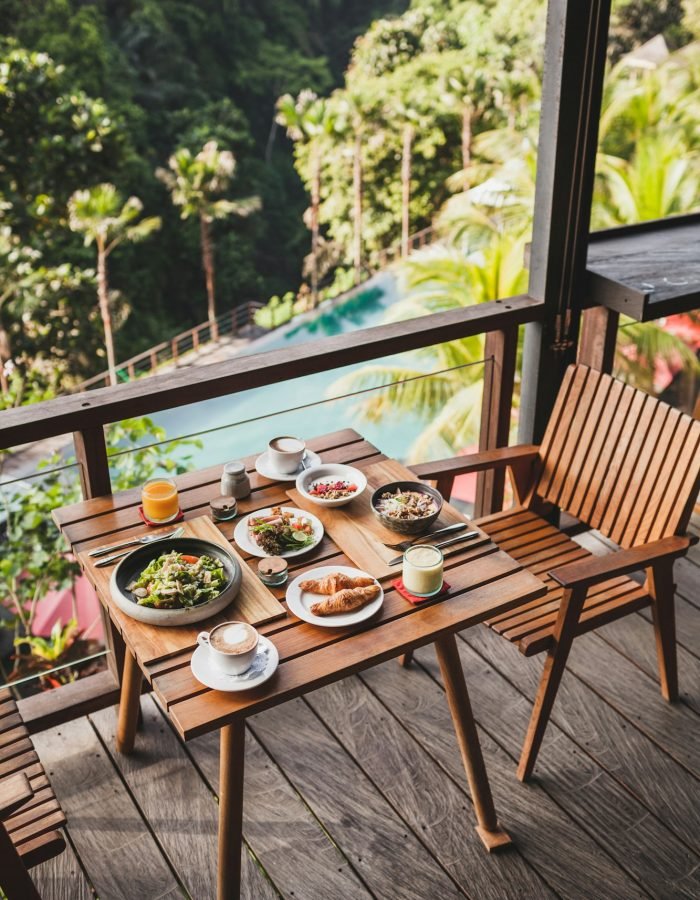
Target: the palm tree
pixel 660 179
pixel 309 120
pixel 433 280
pixel 101 216
pixel 648 166
pixel 351 119
pixel 466 89
pixel 194 181
pixel 406 113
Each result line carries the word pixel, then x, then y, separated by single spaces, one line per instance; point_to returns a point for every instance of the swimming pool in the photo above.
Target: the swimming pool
pixel 362 310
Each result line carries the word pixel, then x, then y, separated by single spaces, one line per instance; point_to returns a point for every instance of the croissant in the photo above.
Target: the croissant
pixel 334 582
pixel 345 601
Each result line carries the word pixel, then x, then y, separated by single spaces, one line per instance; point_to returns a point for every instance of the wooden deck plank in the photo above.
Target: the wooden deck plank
pixel 179 808
pixel 548 838
pixel 673 727
pixel 642 845
pixel 633 638
pixel 434 805
pixel 575 767
pixel 687 624
pixel 106 827
pixel 386 853
pixel 288 841
pixel 628 754
pixel 686 574
pixel 61 878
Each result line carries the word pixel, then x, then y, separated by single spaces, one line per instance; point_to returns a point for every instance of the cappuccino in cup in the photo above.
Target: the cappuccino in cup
pixel 232 646
pixel 285 453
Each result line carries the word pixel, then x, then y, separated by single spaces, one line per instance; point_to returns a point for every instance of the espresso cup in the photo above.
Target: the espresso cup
pixel 286 453
pixel 229 646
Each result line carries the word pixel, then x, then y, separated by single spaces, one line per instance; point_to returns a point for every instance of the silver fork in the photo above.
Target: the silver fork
pixel 146 539
pixel 404 545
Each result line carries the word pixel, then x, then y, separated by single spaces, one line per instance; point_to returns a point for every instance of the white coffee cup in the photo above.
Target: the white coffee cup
pixel 222 643
pixel 286 453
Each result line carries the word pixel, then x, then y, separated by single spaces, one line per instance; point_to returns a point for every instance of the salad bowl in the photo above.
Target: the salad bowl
pixel 132 566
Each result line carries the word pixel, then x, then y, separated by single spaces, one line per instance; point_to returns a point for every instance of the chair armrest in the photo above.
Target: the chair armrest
pixel 593 569
pixel 15 790
pixel 475 462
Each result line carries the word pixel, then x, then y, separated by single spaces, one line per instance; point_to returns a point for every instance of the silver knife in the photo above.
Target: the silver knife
pixel 470 535
pixel 448 529
pixel 108 560
pixel 145 539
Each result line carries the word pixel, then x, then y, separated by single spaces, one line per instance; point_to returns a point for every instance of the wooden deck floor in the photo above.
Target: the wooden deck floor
pixel 358 791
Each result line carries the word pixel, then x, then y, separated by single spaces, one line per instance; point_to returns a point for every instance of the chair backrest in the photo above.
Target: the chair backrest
pixel 619 460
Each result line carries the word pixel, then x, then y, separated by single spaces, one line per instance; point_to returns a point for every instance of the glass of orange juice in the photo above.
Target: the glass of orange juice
pixel 159 499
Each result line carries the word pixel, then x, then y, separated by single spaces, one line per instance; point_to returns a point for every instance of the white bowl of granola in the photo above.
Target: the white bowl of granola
pixel 331 484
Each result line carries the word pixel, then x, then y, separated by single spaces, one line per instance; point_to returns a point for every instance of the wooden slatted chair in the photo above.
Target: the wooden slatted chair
pixel 620 462
pixel 29 810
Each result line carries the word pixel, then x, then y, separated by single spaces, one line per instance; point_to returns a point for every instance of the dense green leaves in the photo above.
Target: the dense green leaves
pixel 34 558
pixel 107 92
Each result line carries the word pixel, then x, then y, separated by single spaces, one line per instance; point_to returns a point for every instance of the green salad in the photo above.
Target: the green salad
pixel 176 580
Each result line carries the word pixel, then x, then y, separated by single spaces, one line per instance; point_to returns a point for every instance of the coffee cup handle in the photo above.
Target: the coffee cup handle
pixel 203 639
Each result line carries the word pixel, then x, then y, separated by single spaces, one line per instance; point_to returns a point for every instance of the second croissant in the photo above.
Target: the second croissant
pixel 336 581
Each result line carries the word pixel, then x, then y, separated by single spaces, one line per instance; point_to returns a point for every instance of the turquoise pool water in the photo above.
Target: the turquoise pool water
pixel 362 310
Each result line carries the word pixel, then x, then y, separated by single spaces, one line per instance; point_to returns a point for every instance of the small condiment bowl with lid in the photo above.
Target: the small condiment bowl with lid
pixel 273 570
pixel 331 484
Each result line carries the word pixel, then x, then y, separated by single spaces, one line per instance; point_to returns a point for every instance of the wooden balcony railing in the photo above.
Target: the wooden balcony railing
pixel 86 413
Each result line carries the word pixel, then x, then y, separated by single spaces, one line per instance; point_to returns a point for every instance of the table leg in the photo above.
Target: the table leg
pixel 129 704
pixel 231 767
pixel 488 829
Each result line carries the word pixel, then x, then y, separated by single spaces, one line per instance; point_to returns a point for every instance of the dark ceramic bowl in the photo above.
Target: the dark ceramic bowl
pixel 406 526
pixel 132 565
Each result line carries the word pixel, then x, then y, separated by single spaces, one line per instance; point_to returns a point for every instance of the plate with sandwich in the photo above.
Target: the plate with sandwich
pixel 334 596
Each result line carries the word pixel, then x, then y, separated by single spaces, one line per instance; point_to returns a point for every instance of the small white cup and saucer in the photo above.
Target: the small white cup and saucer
pixel 233 657
pixel 285 458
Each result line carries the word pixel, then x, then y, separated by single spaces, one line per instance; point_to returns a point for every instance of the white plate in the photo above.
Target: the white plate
pixel 246 542
pixel 265 468
pixel 205 671
pixel 300 602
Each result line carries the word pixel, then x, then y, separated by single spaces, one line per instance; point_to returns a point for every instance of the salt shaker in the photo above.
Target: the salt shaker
pixel 235 481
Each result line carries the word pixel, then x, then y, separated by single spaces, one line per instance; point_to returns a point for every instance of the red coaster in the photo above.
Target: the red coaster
pixel 398 584
pixel 178 518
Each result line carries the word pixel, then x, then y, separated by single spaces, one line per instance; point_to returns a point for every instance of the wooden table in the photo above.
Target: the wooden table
pixel 484 582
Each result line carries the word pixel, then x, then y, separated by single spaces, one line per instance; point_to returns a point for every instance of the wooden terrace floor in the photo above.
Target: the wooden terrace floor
pixel 358 791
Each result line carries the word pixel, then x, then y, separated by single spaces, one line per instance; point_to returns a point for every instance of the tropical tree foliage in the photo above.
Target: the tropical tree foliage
pixel 105 220
pixel 420 87
pixel 35 558
pixel 102 92
pixel 648 168
pixel 308 118
pixel 194 182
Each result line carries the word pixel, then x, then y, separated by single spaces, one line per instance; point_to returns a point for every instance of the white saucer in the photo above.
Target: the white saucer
pixel 204 671
pixel 264 466
pixel 299 602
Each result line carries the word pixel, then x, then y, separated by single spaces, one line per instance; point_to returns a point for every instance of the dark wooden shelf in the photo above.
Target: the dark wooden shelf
pixel 646 271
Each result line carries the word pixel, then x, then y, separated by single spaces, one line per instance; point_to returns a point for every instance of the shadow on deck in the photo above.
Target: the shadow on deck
pixel 358 790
